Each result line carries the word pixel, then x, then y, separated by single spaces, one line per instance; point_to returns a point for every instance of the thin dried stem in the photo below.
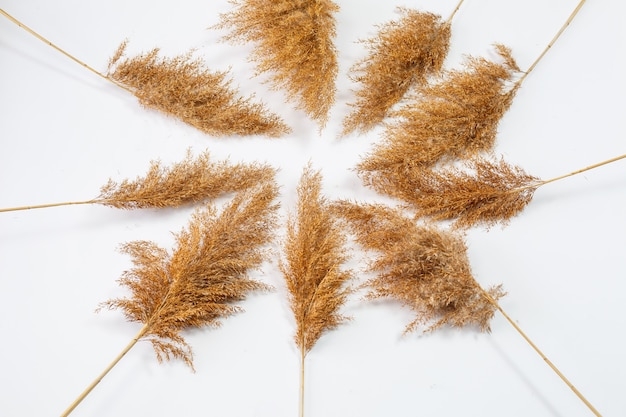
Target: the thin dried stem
pixel 73 58
pixel 552 42
pixel 541 354
pixel 302 362
pixel 91 386
pixel 599 164
pixel 66 203
pixel 456 9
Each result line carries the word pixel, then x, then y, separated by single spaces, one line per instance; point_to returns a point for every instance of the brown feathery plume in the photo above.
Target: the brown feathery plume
pixel 190 181
pixel 427 269
pixel 313 255
pixel 454 118
pixel 403 53
pixel 184 88
pixel 423 267
pixel 294 43
pixel 478 192
pixel 197 284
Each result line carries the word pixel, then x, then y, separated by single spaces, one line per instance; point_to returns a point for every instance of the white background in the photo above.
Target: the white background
pixel 64 132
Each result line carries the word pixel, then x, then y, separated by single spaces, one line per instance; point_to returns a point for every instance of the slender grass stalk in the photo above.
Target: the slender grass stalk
pixel 67 54
pixel 542 355
pixel 66 203
pixel 456 9
pixel 571 174
pixel 552 42
pixel 599 164
pixel 302 360
pixel 96 381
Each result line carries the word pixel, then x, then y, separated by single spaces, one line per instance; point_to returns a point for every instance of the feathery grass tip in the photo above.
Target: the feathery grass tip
pixel 403 53
pixel 182 87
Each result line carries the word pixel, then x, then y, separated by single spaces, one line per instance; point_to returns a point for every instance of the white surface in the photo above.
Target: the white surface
pixel 64 132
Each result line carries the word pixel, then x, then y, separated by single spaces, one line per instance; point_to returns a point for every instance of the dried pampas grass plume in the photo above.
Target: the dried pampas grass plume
pixel 422 267
pixel 479 192
pixel 294 42
pixel 197 284
pixel 190 181
pixel 184 88
pixel 456 117
pixel 314 253
pixel 427 269
pixel 403 54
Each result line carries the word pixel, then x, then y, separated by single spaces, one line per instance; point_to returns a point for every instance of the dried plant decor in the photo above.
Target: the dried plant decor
pixel 312 265
pixel 456 117
pixel 197 283
pixel 294 43
pixel 479 192
pixel 405 52
pixel 427 269
pixel 423 267
pixel 184 88
pixel 192 180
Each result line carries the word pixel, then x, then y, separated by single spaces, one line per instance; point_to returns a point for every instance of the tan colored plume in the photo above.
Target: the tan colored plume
pixel 423 267
pixel 197 283
pixel 190 181
pixel 402 54
pixel 294 43
pixel 182 87
pixel 314 254
pixel 456 117
pixel 479 192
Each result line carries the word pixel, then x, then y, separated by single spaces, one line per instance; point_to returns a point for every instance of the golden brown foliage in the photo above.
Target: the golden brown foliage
pixel 182 87
pixel 479 192
pixel 424 268
pixel 294 43
pixel 403 53
pixel 313 256
pixel 208 270
pixel 455 118
pixel 189 181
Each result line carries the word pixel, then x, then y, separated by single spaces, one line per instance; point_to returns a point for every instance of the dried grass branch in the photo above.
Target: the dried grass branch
pixel 199 282
pixel 456 117
pixel 191 180
pixel 314 254
pixel 182 87
pixel 294 42
pixel 404 53
pixel 427 269
pixel 422 267
pixel 479 192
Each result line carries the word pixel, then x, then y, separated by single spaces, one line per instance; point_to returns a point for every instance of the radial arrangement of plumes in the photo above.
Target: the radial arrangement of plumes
pixel 184 88
pixel 421 266
pixel 192 180
pixel 456 117
pixel 478 192
pixel 314 254
pixel 294 44
pixel 197 284
pixel 405 52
